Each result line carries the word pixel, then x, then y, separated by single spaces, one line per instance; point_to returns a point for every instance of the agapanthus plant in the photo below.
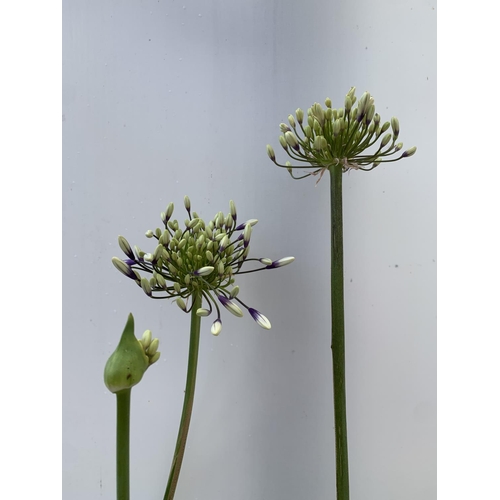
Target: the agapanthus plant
pixel 337 140
pixel 195 264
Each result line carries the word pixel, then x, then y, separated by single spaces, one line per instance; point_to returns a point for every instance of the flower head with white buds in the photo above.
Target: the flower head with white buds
pixel 346 136
pixel 197 260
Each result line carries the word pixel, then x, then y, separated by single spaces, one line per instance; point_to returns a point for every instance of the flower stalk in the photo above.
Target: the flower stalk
pixel 123 444
pixel 351 137
pixel 338 336
pixel 124 369
pixel 187 409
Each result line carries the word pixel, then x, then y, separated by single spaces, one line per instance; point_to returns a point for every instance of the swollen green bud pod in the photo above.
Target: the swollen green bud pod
pixel 126 366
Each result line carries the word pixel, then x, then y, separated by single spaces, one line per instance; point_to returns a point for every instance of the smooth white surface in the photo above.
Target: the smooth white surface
pixel 163 99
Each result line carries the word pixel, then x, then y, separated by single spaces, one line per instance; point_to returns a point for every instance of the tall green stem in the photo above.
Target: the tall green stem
pixel 194 343
pixel 338 340
pixel 123 444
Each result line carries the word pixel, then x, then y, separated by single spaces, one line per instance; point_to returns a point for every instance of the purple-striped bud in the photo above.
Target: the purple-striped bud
pixel 230 306
pixel 281 262
pixel 246 235
pixel 126 248
pixel 123 267
pixel 232 208
pixel 260 319
pixel 252 222
pixel 204 271
pixel 409 152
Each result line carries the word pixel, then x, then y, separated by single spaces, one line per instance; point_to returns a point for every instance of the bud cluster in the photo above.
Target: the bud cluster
pixel 328 137
pixel 197 259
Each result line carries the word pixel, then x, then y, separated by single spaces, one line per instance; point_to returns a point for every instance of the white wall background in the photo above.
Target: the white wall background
pixel 167 98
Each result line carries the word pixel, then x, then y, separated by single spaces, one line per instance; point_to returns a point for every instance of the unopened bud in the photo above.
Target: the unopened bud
pixel 395 127
pixel 385 140
pixel 187 203
pixel 126 248
pixel 270 152
pixel 409 152
pixel 291 139
pixel 320 143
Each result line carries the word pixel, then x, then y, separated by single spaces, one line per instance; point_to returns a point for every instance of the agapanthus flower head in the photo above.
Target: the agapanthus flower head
pixel 351 137
pixel 197 259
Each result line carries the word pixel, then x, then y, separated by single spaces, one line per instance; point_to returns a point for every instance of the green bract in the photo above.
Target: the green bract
pixel 130 360
pixel 346 136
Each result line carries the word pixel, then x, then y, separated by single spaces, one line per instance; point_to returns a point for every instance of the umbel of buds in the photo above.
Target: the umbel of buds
pixel 352 136
pixel 197 259
pixel 130 360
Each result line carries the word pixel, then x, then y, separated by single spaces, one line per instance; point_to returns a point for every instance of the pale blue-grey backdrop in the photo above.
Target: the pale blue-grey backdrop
pixel 167 98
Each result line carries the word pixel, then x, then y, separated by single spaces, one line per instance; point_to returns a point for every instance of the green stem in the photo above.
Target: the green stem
pixel 194 343
pixel 123 444
pixel 338 340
